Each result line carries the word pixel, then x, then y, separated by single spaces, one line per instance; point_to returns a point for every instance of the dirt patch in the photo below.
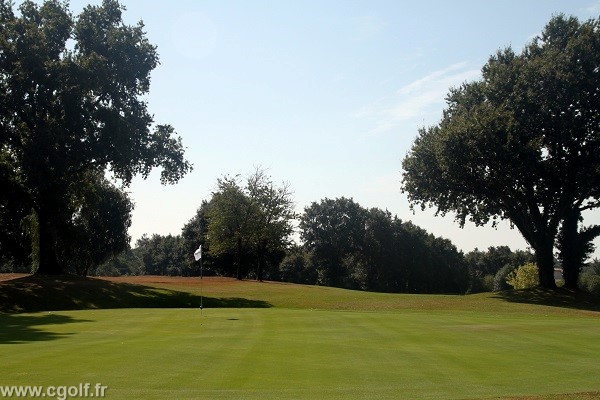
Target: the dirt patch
pixel 11 276
pixel 170 280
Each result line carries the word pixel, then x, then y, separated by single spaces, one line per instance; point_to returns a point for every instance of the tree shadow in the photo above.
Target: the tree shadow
pixel 561 297
pixel 234 302
pixel 16 328
pixel 43 293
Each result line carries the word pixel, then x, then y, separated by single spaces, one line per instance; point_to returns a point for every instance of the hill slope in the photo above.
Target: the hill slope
pixel 28 293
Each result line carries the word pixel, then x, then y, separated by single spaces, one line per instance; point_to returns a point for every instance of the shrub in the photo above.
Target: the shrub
pixel 591 284
pixel 501 277
pixel 526 276
pixel 488 282
pixel 297 267
pixel 589 279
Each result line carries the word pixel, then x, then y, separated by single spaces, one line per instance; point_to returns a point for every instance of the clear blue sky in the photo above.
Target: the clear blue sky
pixel 326 95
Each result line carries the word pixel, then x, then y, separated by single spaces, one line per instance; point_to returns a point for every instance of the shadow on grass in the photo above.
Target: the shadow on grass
pixel 563 396
pixel 15 328
pixel 560 297
pixel 44 293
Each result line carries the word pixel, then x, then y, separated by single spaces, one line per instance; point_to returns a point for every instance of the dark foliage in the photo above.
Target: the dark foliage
pixel 72 107
pixel 348 246
pixel 490 263
pixel 521 143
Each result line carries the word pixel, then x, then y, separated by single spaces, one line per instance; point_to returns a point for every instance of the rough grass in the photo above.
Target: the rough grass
pixel 282 341
pixel 20 293
pixel 287 295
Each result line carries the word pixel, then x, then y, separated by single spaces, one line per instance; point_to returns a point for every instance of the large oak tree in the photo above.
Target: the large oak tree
pixel 71 107
pixel 521 143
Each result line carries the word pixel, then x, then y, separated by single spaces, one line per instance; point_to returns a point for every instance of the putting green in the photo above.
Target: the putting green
pixel 302 354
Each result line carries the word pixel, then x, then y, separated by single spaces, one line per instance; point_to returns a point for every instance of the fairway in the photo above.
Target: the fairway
pixel 282 353
pixel 321 200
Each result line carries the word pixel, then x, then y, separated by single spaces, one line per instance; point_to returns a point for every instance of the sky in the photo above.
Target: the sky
pixel 325 95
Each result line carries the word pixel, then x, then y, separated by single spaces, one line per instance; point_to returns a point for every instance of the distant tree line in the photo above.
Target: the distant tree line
pixel 346 245
pixel 246 230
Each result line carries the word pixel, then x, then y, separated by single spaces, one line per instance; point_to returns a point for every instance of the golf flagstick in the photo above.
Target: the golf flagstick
pixel 198 256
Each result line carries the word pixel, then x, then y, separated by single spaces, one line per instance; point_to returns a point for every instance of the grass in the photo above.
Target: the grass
pixel 47 293
pixel 282 341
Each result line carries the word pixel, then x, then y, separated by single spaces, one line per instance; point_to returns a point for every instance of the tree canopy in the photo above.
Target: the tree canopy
pixel 249 224
pixel 349 246
pixel 71 107
pixel 521 143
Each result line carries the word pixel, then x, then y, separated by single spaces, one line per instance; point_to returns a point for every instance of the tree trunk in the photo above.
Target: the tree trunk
pixel 575 246
pixel 238 273
pixel 545 263
pixel 572 252
pixel 542 241
pixel 259 270
pixel 47 256
pixel 571 275
pixel 261 262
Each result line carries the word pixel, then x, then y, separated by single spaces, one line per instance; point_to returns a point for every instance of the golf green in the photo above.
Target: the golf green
pixel 279 353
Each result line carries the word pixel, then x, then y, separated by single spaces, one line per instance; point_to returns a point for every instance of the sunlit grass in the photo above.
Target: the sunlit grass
pixel 306 343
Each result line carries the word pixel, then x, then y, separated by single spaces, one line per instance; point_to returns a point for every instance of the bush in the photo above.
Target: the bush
pixel 589 279
pixel 591 284
pixel 526 276
pixel 501 277
pixel 488 282
pixel 296 267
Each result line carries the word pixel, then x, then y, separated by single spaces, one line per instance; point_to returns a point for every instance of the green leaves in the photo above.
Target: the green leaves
pixel 68 110
pixel 101 216
pixel 519 144
pixel 249 223
pixel 168 152
pixel 349 246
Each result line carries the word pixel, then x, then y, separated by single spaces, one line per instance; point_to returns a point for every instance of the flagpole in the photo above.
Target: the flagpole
pixel 198 257
pixel 201 294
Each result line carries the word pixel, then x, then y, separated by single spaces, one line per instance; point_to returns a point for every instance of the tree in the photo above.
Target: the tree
pixel 126 263
pixel 98 229
pixel 379 254
pixel 589 280
pixel 500 279
pixel 332 230
pixel 482 264
pixel 71 105
pixel 252 223
pixel 349 246
pixel 193 235
pixel 520 144
pixel 575 246
pixel 15 223
pixel 296 267
pixel 230 217
pixel 524 277
pixel 429 264
pixel 161 255
pixel 274 213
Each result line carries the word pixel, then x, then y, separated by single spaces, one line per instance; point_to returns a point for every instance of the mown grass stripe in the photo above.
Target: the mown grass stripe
pixel 423 347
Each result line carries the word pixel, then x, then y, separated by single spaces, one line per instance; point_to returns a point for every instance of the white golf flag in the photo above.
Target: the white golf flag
pixel 198 253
